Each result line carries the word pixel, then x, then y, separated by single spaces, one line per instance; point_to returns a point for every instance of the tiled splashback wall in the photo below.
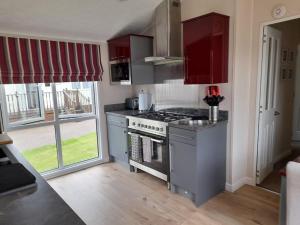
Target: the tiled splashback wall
pixel 173 93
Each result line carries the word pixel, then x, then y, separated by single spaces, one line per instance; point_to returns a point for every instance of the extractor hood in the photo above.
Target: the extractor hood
pixel 167 33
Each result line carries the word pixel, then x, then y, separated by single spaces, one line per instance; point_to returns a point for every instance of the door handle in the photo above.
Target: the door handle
pixel 276 113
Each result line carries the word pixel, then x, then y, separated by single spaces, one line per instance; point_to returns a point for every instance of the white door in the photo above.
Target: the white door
pixel 268 102
pixel 296 119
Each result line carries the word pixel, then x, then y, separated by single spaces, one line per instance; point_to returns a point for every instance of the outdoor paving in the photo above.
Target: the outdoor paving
pixel 35 137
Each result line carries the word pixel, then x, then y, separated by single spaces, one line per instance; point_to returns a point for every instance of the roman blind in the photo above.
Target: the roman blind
pixel 25 60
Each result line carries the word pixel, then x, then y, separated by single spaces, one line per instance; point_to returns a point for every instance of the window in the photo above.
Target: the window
pixel 24 103
pixel 61 118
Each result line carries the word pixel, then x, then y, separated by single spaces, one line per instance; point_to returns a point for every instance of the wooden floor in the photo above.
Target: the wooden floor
pixel 109 194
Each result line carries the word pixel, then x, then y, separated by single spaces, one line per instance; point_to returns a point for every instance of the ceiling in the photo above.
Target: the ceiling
pixel 94 20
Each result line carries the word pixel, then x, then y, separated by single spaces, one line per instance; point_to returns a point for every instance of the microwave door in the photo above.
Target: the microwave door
pixel 120 72
pixel 116 73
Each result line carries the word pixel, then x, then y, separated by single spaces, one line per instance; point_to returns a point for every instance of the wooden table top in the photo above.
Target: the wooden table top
pixel 5 139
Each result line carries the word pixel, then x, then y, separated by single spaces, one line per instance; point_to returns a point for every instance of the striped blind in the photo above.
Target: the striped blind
pixel 25 60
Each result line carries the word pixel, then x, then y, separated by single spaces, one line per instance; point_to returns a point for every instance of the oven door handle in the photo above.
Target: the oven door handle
pixel 130 133
pixel 157 141
pixel 152 139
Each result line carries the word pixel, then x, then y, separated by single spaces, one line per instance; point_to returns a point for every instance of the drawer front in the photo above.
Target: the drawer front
pixel 117 120
pixel 183 136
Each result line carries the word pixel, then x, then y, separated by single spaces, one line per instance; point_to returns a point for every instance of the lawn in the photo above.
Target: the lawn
pixel 74 150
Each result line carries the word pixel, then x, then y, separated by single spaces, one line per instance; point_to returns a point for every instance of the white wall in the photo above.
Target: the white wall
pixel 241 93
pixel 109 94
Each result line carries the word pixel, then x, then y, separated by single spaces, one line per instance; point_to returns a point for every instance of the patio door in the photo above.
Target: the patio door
pixel 58 129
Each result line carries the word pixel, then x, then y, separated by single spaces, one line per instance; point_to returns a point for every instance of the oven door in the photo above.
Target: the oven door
pixel 120 72
pixel 152 151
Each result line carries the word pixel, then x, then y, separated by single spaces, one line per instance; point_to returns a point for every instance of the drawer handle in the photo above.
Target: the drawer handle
pixel 184 137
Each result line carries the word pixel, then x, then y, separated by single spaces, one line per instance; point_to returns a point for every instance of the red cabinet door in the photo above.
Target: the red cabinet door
pixel 220 42
pixel 205 41
pixel 119 48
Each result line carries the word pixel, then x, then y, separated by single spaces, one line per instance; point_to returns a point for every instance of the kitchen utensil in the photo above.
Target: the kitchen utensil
pixel 144 101
pixel 213 113
pixel 132 103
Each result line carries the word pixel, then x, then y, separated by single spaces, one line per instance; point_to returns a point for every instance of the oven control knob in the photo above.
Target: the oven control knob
pixel 139 124
pixel 142 125
pixel 133 124
pixel 153 128
pixel 157 129
pixel 161 129
pixel 145 126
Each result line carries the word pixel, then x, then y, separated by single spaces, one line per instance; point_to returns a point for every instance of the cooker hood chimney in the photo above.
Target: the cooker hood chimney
pixel 167 33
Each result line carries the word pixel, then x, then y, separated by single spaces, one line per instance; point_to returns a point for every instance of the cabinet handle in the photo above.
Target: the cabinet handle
pixel 170 154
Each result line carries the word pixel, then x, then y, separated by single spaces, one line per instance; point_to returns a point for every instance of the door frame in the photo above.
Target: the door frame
pixel 63 170
pixel 258 87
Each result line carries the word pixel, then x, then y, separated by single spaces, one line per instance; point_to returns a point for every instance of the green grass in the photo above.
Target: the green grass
pixel 74 150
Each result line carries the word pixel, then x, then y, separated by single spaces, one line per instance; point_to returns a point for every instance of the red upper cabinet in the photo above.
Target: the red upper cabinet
pixel 119 48
pixel 205 45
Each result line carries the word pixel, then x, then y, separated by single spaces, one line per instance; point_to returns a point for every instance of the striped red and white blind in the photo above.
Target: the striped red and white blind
pixel 25 60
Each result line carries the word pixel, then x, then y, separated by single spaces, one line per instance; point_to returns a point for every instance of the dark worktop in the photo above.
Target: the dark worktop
pixel 36 206
pixel 197 112
pixel 196 127
pixel 123 113
pixel 119 110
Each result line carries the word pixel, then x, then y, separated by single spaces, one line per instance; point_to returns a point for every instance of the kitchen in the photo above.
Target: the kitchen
pixel 176 127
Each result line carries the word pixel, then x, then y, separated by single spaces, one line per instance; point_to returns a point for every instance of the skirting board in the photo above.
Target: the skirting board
pixel 240 183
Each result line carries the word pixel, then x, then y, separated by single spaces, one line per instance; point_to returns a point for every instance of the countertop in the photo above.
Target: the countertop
pixel 5 139
pixel 35 206
pixel 118 110
pixel 123 113
pixel 195 127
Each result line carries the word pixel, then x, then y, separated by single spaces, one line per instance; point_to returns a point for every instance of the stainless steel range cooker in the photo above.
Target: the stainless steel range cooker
pixel 148 142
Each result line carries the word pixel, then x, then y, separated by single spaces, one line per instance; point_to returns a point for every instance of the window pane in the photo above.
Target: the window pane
pixel 38 146
pixel 28 103
pixel 79 141
pixel 74 99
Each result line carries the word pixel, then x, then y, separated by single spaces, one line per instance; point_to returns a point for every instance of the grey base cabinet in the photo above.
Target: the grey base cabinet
pixel 117 138
pixel 198 162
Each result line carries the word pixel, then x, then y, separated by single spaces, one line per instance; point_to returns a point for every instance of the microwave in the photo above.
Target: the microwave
pixel 120 71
